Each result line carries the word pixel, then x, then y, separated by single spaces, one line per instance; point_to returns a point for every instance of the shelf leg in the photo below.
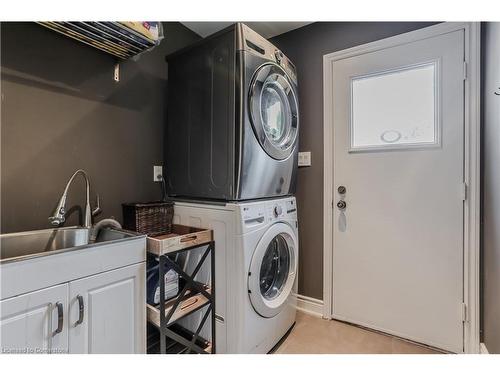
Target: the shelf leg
pixel 212 294
pixel 163 322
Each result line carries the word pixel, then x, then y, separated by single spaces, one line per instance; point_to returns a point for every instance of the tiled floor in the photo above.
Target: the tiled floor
pixel 313 335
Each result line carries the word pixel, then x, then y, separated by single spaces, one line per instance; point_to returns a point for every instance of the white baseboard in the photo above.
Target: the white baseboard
pixel 483 349
pixel 310 305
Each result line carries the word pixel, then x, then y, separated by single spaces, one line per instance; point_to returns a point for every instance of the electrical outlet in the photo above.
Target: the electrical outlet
pixel 305 159
pixel 157 173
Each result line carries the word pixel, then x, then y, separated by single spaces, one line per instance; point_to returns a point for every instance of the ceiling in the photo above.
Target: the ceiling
pixel 266 29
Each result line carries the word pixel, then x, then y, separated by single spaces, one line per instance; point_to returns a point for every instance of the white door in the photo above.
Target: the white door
pixel 108 312
pixel 398 133
pixel 35 322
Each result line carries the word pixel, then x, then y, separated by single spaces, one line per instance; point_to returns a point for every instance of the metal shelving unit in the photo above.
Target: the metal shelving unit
pixel 193 297
pixel 111 37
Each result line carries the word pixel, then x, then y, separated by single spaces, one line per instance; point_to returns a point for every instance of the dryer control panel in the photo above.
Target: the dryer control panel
pixel 248 40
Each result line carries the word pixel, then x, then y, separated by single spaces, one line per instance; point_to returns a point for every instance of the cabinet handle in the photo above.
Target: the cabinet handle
pixel 81 310
pixel 60 319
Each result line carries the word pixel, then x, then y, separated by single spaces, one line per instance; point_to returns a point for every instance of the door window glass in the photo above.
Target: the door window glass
pixel 395 109
pixel 274 268
pixel 275 110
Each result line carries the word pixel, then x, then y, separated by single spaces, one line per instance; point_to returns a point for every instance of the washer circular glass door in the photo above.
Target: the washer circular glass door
pixel 273 269
pixel 274 111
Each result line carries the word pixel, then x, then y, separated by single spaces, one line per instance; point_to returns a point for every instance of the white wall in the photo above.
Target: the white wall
pixel 491 211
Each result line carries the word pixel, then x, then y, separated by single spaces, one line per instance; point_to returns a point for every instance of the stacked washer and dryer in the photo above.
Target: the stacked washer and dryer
pixel 231 151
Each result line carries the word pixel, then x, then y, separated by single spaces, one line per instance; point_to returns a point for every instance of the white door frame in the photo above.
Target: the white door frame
pixel 471 173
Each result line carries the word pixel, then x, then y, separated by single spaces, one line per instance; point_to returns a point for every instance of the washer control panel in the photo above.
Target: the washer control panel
pixel 279 210
pixel 291 206
pixel 257 214
pixel 254 214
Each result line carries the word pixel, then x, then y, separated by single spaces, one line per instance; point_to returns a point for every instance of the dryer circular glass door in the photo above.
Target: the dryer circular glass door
pixel 273 269
pixel 274 111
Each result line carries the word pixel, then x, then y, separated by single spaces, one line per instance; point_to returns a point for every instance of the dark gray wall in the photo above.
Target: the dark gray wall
pixel 61 110
pixel 491 186
pixel 306 47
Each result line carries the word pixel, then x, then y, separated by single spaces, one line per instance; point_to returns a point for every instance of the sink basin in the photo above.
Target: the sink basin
pixel 22 245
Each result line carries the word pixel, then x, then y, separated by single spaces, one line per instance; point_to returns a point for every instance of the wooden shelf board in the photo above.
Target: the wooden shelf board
pixel 181 237
pixel 186 307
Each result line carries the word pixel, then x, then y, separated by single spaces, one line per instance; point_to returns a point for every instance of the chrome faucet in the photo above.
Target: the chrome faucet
pixel 59 214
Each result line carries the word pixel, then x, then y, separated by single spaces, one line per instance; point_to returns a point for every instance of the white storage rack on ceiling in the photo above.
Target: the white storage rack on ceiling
pixel 115 38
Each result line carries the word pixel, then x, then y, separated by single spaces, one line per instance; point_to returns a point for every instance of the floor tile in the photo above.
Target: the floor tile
pixel 313 335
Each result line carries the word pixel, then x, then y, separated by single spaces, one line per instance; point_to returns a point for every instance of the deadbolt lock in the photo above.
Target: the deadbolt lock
pixel 341 189
pixel 341 205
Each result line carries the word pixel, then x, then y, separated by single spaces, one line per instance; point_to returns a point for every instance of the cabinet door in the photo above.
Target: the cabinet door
pixel 35 322
pixel 108 312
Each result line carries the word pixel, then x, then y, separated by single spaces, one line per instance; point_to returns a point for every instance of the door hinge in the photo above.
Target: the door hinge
pixel 464 191
pixel 465 70
pixel 464 312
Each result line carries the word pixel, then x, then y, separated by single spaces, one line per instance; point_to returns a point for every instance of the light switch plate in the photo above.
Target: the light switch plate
pixel 157 173
pixel 305 159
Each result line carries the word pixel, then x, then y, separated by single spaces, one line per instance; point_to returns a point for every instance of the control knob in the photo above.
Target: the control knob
pixel 279 56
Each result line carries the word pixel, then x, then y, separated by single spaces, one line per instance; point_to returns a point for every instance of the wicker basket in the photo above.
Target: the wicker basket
pixel 152 218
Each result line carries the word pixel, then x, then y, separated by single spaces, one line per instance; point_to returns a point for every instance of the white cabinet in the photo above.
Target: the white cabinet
pixel 34 322
pixel 41 298
pixel 107 312
pixel 112 317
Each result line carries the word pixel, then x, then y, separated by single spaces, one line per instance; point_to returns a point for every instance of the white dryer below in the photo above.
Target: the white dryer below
pixel 256 255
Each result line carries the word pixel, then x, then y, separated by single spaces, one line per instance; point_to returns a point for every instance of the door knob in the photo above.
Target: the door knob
pixel 341 205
